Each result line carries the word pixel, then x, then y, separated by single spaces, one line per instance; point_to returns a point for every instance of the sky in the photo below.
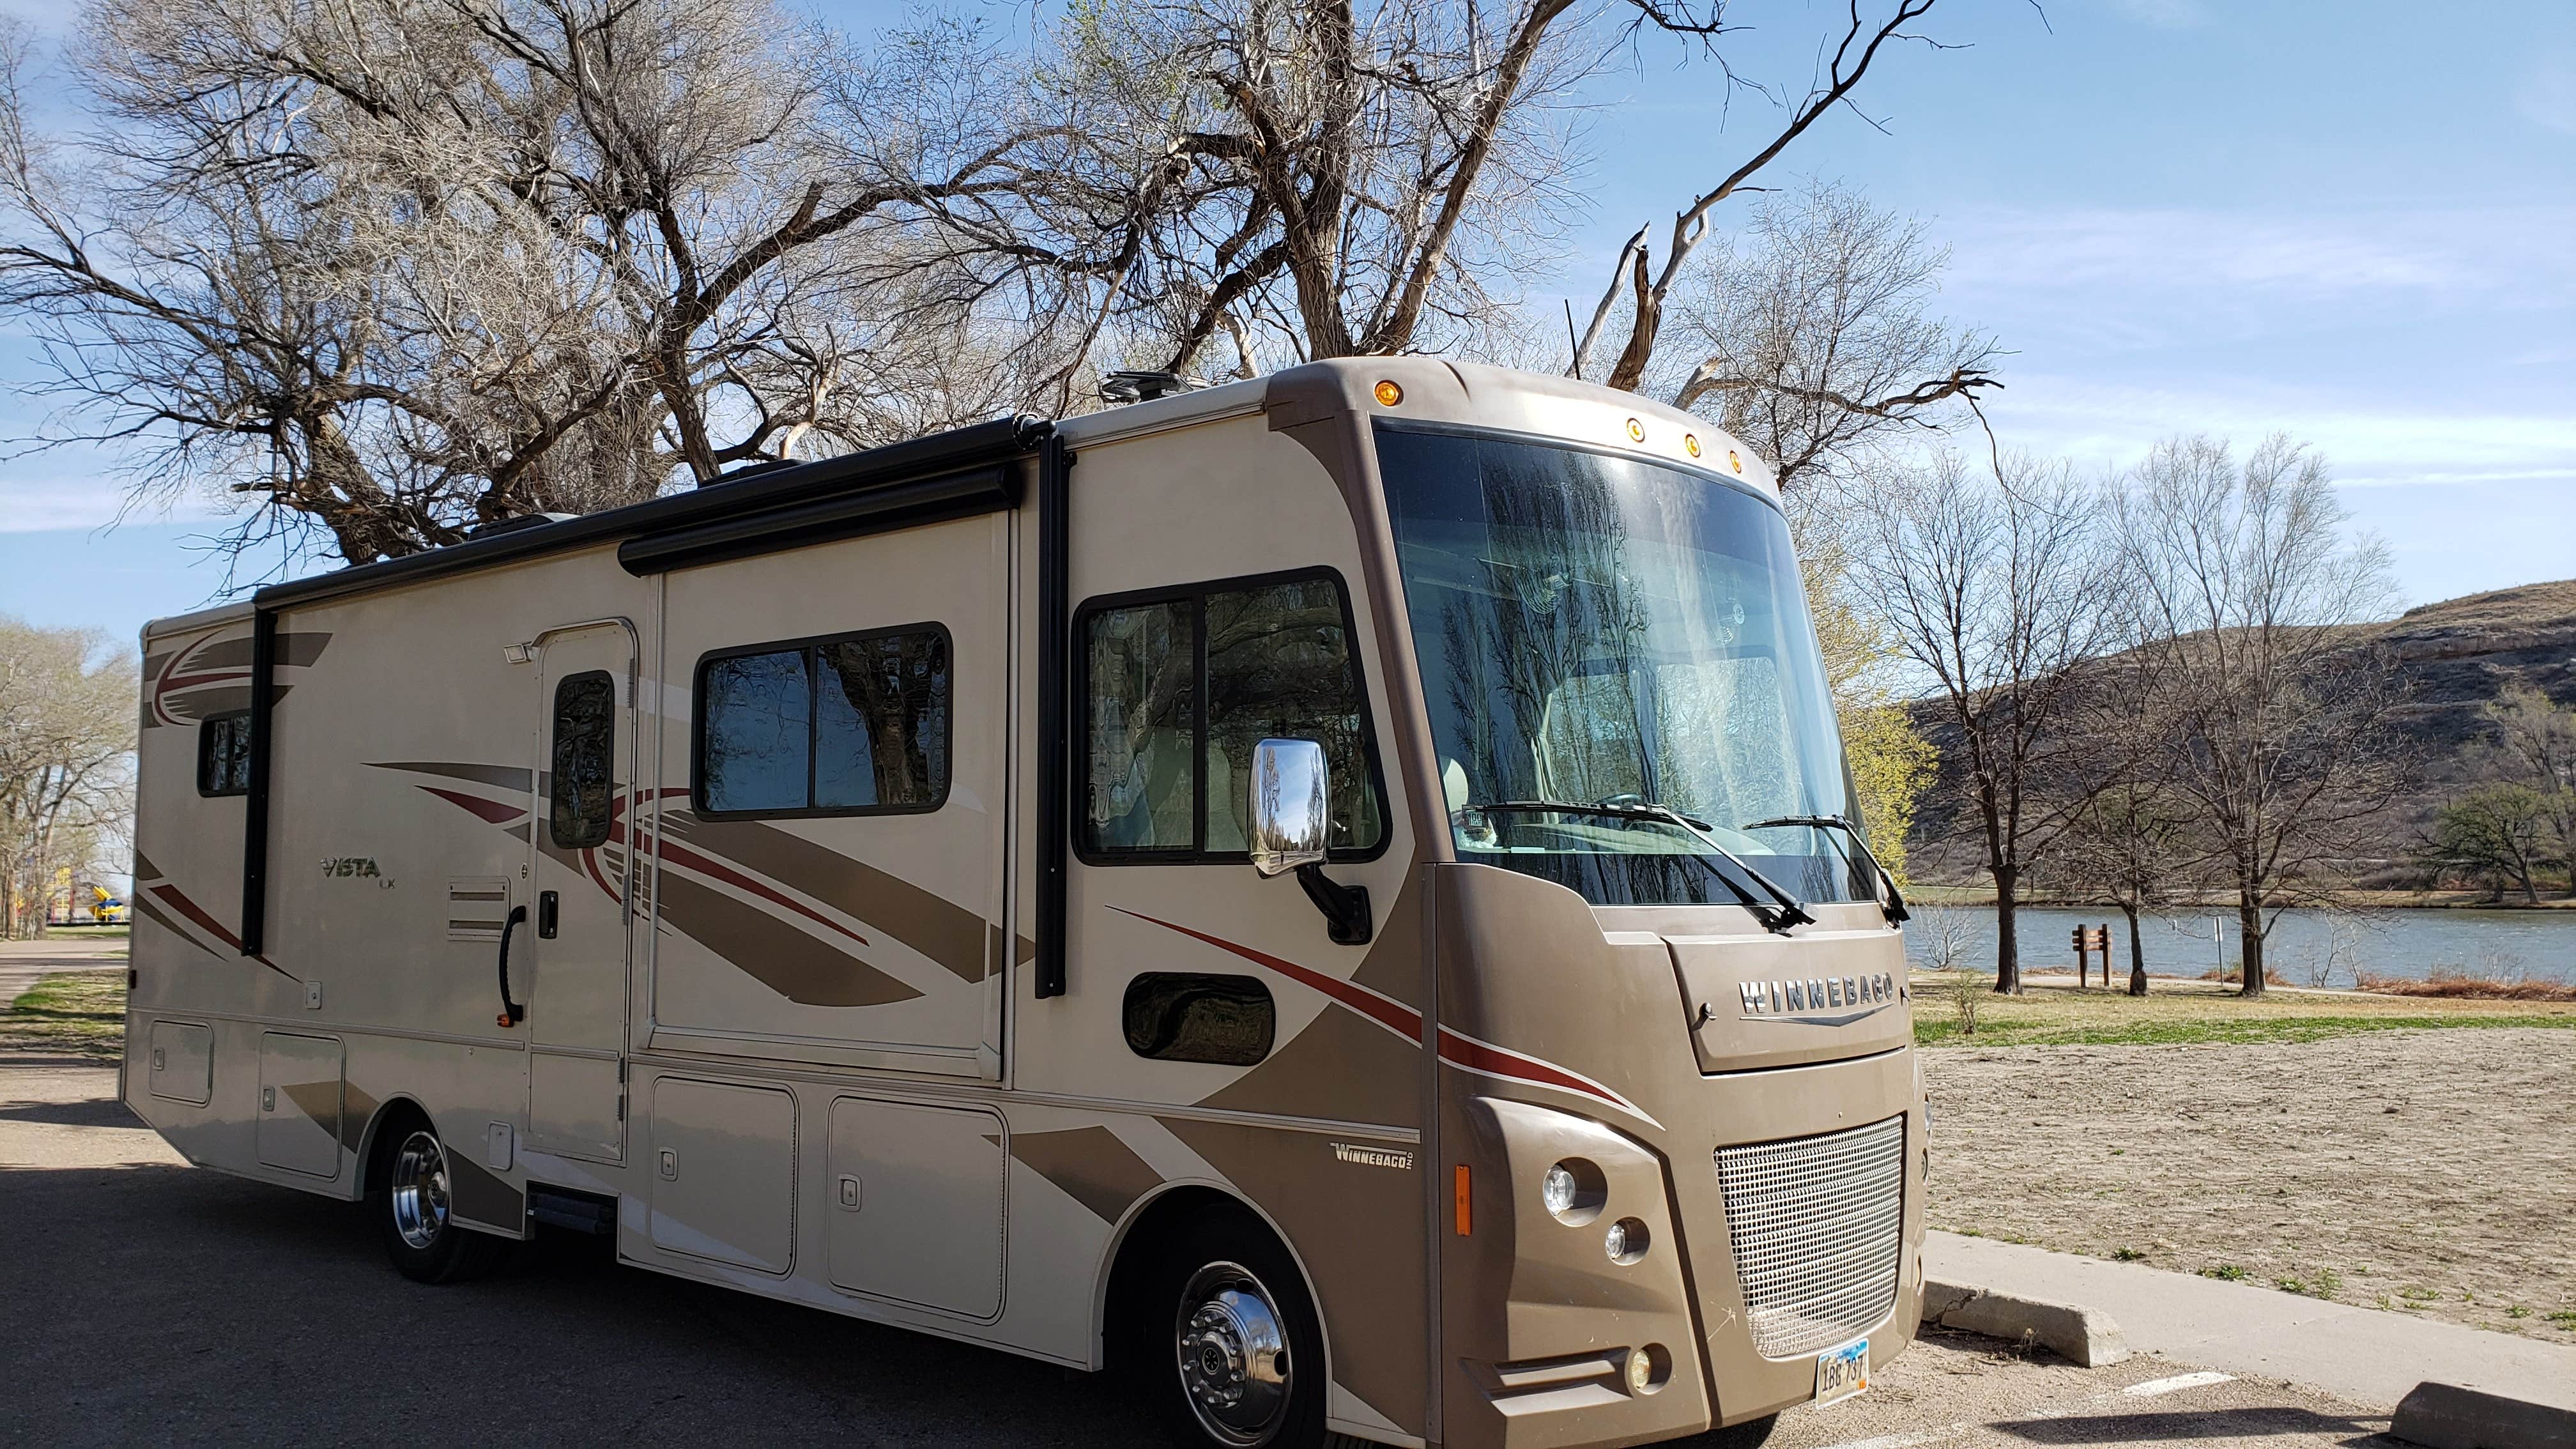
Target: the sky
pixel 2354 223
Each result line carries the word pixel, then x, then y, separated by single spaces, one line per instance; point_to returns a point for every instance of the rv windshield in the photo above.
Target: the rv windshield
pixel 1625 640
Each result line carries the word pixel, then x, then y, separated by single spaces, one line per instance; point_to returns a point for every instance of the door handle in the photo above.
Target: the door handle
pixel 547 905
pixel 512 1013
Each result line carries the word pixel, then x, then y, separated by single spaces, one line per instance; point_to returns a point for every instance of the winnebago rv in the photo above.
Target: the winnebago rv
pixel 1335 892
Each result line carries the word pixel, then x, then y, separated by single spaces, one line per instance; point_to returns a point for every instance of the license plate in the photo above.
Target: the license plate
pixel 1842 1372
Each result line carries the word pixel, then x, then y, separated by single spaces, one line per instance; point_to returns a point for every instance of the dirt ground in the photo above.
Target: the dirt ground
pixel 2430 1172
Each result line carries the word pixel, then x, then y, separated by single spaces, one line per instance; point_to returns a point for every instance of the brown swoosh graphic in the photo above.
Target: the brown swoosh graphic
pixel 1093 1167
pixel 945 932
pixel 778 955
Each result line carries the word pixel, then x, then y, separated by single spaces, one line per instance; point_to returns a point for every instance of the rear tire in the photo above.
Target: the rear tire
pixel 1225 1343
pixel 407 1195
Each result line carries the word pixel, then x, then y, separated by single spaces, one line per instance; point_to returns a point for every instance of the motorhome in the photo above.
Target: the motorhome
pixel 1338 893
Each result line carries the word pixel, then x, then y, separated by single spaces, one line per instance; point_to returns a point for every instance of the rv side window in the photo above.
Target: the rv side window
pixel 1175 1017
pixel 223 754
pixel 1178 690
pixel 856 724
pixel 585 749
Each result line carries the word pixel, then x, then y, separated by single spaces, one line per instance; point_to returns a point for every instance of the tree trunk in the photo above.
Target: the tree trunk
pixel 2249 930
pixel 2007 946
pixel 2137 952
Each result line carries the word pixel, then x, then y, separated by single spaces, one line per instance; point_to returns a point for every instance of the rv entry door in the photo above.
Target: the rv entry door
pixel 581 875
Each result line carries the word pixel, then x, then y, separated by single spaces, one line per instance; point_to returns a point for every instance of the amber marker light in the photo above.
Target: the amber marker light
pixel 1462 1199
pixel 1733 461
pixel 1636 431
pixel 1691 441
pixel 1388 394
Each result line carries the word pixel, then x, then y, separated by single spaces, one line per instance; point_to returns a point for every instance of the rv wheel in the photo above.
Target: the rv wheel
pixel 1231 1350
pixel 408 1197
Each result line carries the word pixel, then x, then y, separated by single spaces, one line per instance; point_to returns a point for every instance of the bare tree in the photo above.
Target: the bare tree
pixel 1996 586
pixel 2246 588
pixel 1815 338
pixel 66 742
pixel 2130 846
pixel 1643 288
pixel 396 270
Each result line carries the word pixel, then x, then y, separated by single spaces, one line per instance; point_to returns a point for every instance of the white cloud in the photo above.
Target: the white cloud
pixel 2305 256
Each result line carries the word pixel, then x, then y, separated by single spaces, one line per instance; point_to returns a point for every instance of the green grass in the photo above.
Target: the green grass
pixel 2224 1272
pixel 76 1013
pixel 2053 1012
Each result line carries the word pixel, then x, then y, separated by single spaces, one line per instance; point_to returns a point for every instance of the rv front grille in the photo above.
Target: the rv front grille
pixel 1817 1224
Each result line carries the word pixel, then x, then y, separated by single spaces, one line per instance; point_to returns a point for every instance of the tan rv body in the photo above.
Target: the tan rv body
pixel 808 1057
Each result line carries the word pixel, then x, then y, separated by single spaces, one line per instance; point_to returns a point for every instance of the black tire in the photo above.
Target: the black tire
pixel 407 1196
pixel 1220 1292
pixel 1748 1435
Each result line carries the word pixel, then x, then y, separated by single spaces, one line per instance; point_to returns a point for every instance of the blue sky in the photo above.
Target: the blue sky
pixel 2355 223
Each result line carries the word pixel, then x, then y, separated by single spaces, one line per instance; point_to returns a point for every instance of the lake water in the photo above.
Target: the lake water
pixel 2306 948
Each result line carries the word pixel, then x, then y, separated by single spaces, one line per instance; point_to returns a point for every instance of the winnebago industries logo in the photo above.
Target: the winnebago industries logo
pixel 1393 1157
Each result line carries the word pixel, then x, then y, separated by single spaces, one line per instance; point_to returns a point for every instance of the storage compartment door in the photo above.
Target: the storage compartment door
pixel 183 1062
pixel 724 1173
pixel 916 1205
pixel 299 1103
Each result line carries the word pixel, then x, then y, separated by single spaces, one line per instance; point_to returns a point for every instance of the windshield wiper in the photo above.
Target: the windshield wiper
pixel 1779 914
pixel 1893 906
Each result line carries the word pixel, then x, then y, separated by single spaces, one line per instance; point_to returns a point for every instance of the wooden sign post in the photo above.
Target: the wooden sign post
pixel 2089 939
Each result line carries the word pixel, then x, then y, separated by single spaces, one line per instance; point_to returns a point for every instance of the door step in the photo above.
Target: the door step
pixel 581 1212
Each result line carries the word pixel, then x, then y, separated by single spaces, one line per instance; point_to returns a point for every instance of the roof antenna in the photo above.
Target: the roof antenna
pixel 1571 344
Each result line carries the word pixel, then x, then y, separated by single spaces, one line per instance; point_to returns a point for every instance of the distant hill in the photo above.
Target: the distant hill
pixel 2457 655
pixel 2452 657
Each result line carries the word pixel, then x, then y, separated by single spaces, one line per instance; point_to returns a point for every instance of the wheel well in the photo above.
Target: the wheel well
pixel 1145 1238
pixel 395 1113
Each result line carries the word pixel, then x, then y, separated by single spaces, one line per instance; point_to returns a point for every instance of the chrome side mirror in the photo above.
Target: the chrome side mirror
pixel 1291 805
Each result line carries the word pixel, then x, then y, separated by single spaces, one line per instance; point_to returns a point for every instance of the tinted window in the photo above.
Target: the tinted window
pixel 223 754
pixel 585 750
pixel 1143 671
pixel 757 746
pixel 1228 1020
pixel 881 721
pixel 854 724
pixel 1177 693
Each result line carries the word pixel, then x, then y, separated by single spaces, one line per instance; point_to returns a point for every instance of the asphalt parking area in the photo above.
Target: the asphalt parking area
pixel 148 1302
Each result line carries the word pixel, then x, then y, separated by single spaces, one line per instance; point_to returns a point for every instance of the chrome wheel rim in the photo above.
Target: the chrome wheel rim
pixel 419 1193
pixel 1232 1351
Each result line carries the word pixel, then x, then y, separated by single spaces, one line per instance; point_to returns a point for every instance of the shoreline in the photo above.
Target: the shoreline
pixel 1984 896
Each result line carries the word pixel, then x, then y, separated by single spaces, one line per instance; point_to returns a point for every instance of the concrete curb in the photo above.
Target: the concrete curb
pixel 2083 1336
pixel 2447 1416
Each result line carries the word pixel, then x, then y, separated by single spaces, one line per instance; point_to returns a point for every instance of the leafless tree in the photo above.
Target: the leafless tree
pixel 2246 589
pixel 1640 289
pixel 1813 339
pixel 66 749
pixel 1996 584
pixel 400 269
pixel 2130 846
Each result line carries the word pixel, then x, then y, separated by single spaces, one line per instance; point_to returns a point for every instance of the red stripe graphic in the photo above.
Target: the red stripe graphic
pixel 1456 1049
pixel 498 812
pixel 179 901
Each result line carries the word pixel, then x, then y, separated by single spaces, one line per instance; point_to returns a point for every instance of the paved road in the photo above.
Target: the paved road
pixel 23 963
pixel 145 1301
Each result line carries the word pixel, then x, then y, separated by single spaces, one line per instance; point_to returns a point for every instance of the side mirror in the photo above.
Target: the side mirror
pixel 1291 805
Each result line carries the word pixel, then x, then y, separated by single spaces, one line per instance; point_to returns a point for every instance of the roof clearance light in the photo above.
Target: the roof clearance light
pixel 1691 441
pixel 1636 431
pixel 1388 394
pixel 1733 461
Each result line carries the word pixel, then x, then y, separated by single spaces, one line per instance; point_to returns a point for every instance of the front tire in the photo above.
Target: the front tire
pixel 1229 1347
pixel 409 1199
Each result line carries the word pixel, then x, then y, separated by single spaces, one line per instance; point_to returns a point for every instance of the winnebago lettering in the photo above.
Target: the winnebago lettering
pixel 1335 895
